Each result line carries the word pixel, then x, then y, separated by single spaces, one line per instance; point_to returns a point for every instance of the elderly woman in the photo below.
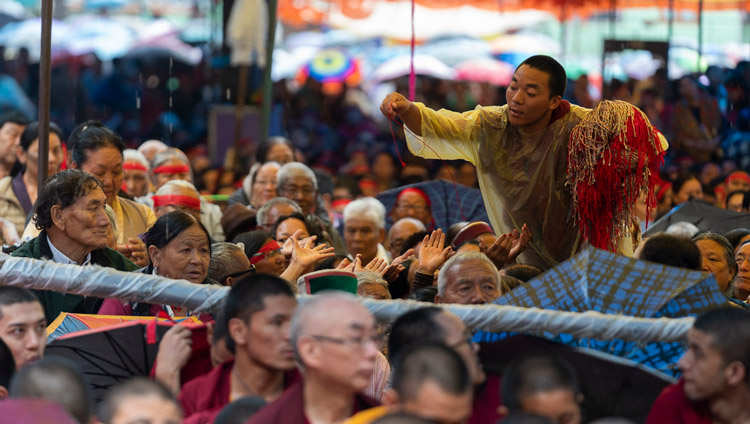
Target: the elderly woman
pixel 135 169
pixel 178 248
pixel 172 164
pixel 18 193
pixel 717 258
pixel 177 195
pixel 275 149
pixel 258 187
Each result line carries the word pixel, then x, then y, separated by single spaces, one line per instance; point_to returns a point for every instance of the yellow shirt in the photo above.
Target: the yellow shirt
pixel 368 415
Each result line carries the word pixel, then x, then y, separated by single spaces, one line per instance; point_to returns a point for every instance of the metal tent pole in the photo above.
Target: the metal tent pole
pixel 44 91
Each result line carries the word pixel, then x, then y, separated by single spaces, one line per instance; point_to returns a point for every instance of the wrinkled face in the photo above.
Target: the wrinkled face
pixel 186 257
pixel 344 343
pixel 31 156
pixel 690 190
pixel 10 137
pixel 163 177
pixel 273 214
pixel 559 405
pixel 23 328
pixel 85 222
pixel 362 237
pixel 742 283
pixel 470 282
pixel 714 261
pixel 136 182
pixel 459 338
pixel 702 367
pixel 737 184
pixel 412 205
pixel 528 97
pixel 302 191
pixel 287 228
pixel 436 405
pixel 266 337
pixel 149 409
pixel 273 262
pixel 399 232
pixel 734 202
pixel 264 185
pixel 106 165
pixel 281 153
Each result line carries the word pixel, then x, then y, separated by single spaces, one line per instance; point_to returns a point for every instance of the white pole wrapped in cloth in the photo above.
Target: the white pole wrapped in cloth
pixel 136 287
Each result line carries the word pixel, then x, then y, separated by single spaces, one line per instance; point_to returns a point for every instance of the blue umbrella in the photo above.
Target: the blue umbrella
pixel 612 284
pixel 445 205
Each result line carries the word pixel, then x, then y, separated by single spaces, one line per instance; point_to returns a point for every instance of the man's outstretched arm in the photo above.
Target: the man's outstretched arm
pixel 395 104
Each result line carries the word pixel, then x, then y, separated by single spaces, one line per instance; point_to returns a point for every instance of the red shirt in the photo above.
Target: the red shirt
pixel 673 407
pixel 486 402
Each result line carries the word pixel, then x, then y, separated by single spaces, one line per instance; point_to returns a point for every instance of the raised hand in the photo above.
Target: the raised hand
pixel 403 258
pixel 392 272
pixel 433 252
pixel 520 243
pixel 286 248
pixel 174 351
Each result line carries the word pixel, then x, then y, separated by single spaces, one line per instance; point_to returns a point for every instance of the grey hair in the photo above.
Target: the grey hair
pixel 132 155
pixel 262 213
pixel 223 262
pixel 461 258
pixel 152 143
pixel 171 153
pixel 295 169
pixel 366 207
pixel 172 185
pixel 728 255
pixel 302 319
pixel 370 278
pixel 682 228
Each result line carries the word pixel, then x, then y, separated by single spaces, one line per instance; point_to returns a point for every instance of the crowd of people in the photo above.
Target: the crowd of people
pixel 283 349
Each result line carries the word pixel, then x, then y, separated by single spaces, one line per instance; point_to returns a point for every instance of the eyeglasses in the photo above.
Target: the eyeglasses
pixel 238 274
pixel 292 190
pixel 415 208
pixel 267 254
pixel 357 342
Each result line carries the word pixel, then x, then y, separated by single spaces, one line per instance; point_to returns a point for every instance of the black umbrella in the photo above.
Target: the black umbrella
pixel 108 356
pixel 704 216
pixel 611 386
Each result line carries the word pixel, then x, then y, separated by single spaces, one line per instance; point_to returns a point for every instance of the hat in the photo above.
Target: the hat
pixel 328 279
pixel 237 219
pixel 470 232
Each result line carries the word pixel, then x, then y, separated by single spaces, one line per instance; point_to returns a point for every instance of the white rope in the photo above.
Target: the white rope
pixel 136 287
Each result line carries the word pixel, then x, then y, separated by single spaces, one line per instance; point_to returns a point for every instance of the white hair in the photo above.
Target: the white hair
pixel 223 262
pixel 165 156
pixel 295 169
pixel 459 259
pixel 419 224
pixel 176 185
pixel 683 228
pixel 367 208
pixel 157 145
pixel 262 213
pixel 132 155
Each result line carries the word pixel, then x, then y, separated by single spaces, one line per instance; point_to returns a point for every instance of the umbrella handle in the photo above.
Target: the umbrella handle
pixel 151 327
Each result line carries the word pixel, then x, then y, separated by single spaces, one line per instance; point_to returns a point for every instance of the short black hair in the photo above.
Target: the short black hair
pixel 536 373
pixel 31 133
pixel 413 240
pixel 253 241
pixel 282 218
pixel 171 225
pixel 522 272
pixel 91 136
pixel 11 295
pixel 63 189
pixel 730 331
pixel 673 250
pixel 745 198
pixel 7 365
pixel 136 387
pixel 681 180
pixel 558 79
pixel 247 296
pixel 14 117
pixel 417 326
pixel 58 380
pixel 240 410
pixel 432 361
pixel 735 236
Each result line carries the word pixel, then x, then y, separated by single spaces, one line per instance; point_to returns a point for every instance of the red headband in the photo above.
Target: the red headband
pixel 415 190
pixel 367 183
pixel 270 245
pixel 134 166
pixel 340 203
pixel 172 169
pixel 663 191
pixel 176 199
pixel 737 176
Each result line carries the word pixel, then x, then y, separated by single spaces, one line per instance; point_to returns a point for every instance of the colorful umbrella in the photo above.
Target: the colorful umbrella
pixel 67 323
pixel 485 70
pixel 612 284
pixel 445 207
pixel 704 216
pixel 332 66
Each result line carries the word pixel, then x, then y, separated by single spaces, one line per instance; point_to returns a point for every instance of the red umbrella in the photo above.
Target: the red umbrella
pixel 488 70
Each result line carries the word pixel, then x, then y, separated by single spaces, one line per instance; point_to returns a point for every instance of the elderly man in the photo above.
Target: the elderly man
pixel 70 214
pixel 415 203
pixel 297 181
pixel 439 325
pixel 468 278
pixel 715 383
pixel 364 229
pixel 22 324
pixel 335 342
pixel 272 210
pixel 228 263
pixel 177 195
pixel 400 231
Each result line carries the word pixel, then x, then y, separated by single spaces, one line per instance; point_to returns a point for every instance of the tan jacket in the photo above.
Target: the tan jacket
pixel 10 207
